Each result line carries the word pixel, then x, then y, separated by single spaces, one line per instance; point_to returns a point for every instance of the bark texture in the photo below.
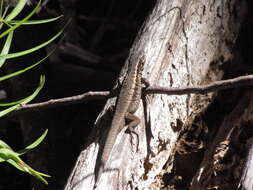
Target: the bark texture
pixel 186 42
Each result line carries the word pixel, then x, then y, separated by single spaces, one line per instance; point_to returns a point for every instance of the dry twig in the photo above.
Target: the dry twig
pixel 62 102
pixel 218 85
pixel 215 86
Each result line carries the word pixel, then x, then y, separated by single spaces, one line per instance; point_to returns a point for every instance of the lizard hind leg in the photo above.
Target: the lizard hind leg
pixel 132 121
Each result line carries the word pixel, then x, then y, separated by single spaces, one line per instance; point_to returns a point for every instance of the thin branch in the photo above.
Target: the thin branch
pixel 62 102
pixel 215 86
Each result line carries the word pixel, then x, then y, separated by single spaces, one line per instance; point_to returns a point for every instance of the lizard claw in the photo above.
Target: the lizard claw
pixel 130 130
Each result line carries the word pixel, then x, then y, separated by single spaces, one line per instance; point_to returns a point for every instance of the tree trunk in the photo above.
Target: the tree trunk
pixel 185 42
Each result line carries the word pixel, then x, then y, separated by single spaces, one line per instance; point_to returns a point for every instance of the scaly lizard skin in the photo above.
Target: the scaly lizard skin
pixel 127 103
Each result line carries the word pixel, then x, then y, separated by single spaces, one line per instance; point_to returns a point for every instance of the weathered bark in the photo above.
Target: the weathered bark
pixel 185 43
pixel 246 181
pixel 225 158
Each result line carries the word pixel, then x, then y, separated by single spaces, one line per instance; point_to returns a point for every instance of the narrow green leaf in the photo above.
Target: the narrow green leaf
pixel 22 71
pixel 2 16
pixel 12 103
pixel 5 12
pixel 12 157
pixel 8 110
pixel 21 53
pixel 34 144
pixel 13 163
pixel 38 175
pixel 21 22
pixel 42 174
pixel 6 47
pixel 35 21
pixel 1 9
pixel 6 154
pixel 17 9
pixel 4 145
pixel 27 99
pixel 36 92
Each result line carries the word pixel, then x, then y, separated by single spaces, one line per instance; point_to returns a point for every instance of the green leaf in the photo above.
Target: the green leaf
pixel 28 148
pixel 4 145
pixel 12 103
pixel 5 12
pixel 6 154
pixel 22 71
pixel 35 21
pixel 17 9
pixel 21 22
pixel 21 53
pixel 38 175
pixel 13 163
pixel 34 144
pixel 1 9
pixel 27 99
pixel 36 92
pixel 12 157
pixel 6 47
pixel 8 110
pixel 3 15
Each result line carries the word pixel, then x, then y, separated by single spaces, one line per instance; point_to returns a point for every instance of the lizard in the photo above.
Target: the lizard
pixel 127 103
